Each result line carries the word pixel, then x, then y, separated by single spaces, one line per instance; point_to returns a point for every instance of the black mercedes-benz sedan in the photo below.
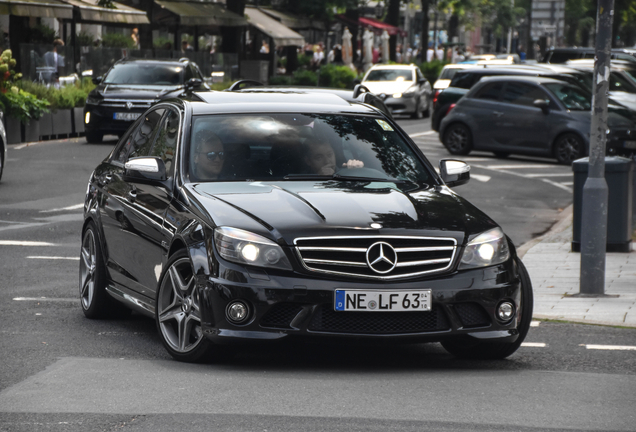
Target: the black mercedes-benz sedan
pixel 240 216
pixel 130 87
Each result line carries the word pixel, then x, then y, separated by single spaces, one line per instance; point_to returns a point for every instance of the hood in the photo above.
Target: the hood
pixel 387 87
pixel 286 210
pixel 119 91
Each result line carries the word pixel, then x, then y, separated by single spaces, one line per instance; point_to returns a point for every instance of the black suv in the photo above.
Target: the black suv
pixel 130 87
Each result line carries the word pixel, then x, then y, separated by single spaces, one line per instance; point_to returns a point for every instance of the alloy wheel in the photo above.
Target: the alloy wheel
pixel 178 308
pixel 88 266
pixel 568 149
pixel 457 140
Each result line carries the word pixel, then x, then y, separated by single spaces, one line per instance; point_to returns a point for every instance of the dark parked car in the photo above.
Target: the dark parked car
pixel 130 87
pixel 267 216
pixel 465 80
pixel 562 55
pixel 530 115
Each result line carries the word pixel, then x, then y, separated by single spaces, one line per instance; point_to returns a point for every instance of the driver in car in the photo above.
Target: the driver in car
pixel 321 159
pixel 208 155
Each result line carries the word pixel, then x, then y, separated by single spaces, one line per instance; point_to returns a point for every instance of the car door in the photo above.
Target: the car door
pixel 481 111
pixel 132 214
pixel 520 126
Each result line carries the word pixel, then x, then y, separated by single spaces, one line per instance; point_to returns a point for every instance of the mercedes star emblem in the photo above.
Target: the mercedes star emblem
pixel 381 257
pixel 129 105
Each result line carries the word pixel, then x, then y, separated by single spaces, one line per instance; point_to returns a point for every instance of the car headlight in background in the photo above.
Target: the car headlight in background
pixel 488 248
pixel 93 100
pixel 410 91
pixel 244 247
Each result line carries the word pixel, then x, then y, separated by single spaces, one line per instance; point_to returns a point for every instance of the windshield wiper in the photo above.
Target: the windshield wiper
pixel 342 177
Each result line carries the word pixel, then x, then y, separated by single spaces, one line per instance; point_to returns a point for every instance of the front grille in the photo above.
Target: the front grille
pixel 351 256
pixel 326 319
pixel 281 315
pixel 472 315
pixel 121 103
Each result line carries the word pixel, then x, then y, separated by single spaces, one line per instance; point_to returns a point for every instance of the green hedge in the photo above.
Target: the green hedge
pixel 431 70
pixel 65 97
pixel 330 75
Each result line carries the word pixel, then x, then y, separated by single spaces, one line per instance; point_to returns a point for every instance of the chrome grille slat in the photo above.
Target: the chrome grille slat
pixel 347 255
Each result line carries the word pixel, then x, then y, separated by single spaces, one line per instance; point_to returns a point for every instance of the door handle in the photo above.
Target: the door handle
pixel 497 113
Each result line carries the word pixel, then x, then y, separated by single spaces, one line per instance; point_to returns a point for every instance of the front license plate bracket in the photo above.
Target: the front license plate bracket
pixel 353 300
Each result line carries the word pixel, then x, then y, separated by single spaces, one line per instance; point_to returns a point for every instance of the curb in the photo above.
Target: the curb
pixel 563 222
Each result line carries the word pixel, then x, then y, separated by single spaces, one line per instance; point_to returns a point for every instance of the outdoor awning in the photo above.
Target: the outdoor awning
pixel 293 21
pixel 36 8
pixel 376 26
pixel 198 13
pixel 122 14
pixel 282 35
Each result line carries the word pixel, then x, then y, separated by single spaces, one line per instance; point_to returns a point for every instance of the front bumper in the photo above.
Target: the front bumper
pixel 282 307
pixel 102 118
pixel 621 142
pixel 402 105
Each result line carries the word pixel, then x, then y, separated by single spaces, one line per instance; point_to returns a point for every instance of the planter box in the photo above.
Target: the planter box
pixel 31 131
pixel 46 125
pixel 13 128
pixel 78 120
pixel 62 122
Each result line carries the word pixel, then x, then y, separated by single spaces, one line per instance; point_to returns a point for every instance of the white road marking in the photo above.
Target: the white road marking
pixel 533 344
pixel 73 207
pixel 481 178
pixel 551 175
pixel 54 258
pixel 559 185
pixel 43 299
pixel 24 243
pixel 567 183
pixel 476 159
pixel 422 134
pixel 535 323
pixel 610 347
pixel 519 166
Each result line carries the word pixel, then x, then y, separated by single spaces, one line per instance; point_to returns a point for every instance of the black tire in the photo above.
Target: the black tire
pixel 95 301
pixel 93 137
pixel 417 114
pixel 501 155
pixel 458 139
pixel 178 315
pixel 568 148
pixel 1 161
pixel 474 349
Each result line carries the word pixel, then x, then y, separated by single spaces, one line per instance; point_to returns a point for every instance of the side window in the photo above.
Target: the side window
pixel 140 140
pixel 490 91
pixel 188 73
pixel 165 145
pixel 522 94
pixel 463 80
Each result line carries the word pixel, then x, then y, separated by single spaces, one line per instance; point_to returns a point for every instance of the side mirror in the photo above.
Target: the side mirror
pixel 145 168
pixel 359 89
pixel 97 80
pixel 454 172
pixel 542 103
pixel 192 83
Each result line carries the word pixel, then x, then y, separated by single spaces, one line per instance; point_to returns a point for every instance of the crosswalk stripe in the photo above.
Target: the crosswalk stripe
pixel 533 344
pixel 43 299
pixel 24 243
pixel 551 175
pixel 518 166
pixel 54 258
pixel 610 347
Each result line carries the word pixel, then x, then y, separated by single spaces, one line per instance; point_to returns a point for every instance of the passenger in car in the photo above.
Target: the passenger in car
pixel 321 159
pixel 209 156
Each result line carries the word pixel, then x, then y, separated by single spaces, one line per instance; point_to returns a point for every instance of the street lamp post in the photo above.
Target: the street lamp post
pixel 595 191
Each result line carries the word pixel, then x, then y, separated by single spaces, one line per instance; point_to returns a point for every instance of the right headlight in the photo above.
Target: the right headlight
pixel 488 248
pixel 93 100
pixel 244 247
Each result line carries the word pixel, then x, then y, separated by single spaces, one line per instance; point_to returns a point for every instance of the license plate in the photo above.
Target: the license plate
pixel 126 116
pixel 383 301
pixel 630 144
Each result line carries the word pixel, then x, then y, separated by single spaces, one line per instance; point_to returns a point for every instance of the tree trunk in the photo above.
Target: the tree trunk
pixel 453 27
pixel 393 18
pixel 233 36
pixel 425 25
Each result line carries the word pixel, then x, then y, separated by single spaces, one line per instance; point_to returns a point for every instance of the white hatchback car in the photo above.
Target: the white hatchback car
pixel 402 87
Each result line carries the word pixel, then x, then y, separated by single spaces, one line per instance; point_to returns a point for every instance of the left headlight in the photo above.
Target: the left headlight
pixel 244 247
pixel 93 99
pixel 410 91
pixel 488 248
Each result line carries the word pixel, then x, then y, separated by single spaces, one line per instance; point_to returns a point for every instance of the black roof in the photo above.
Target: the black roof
pixel 262 101
pixel 175 62
pixel 522 78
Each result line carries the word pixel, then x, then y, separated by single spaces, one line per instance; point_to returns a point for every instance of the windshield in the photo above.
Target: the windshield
pixel 279 147
pixel 572 97
pixel 150 74
pixel 448 73
pixel 390 75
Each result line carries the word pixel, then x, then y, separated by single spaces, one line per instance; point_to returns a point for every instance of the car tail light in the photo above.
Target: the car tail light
pixel 437 92
pixel 450 108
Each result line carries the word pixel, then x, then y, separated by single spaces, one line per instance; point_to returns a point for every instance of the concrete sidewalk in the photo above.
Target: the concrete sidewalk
pixel 555 274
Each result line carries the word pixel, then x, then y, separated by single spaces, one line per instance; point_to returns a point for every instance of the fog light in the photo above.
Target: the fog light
pixel 87 117
pixel 237 312
pixel 505 311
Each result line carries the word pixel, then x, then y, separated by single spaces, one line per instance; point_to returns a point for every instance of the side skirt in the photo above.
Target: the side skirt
pixel 133 300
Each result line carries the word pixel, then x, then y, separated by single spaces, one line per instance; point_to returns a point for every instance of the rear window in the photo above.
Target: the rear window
pixel 149 74
pixel 564 56
pixel 448 73
pixel 464 80
pixel 490 91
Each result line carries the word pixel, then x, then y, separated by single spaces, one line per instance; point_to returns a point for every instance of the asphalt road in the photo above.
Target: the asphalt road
pixel 62 372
